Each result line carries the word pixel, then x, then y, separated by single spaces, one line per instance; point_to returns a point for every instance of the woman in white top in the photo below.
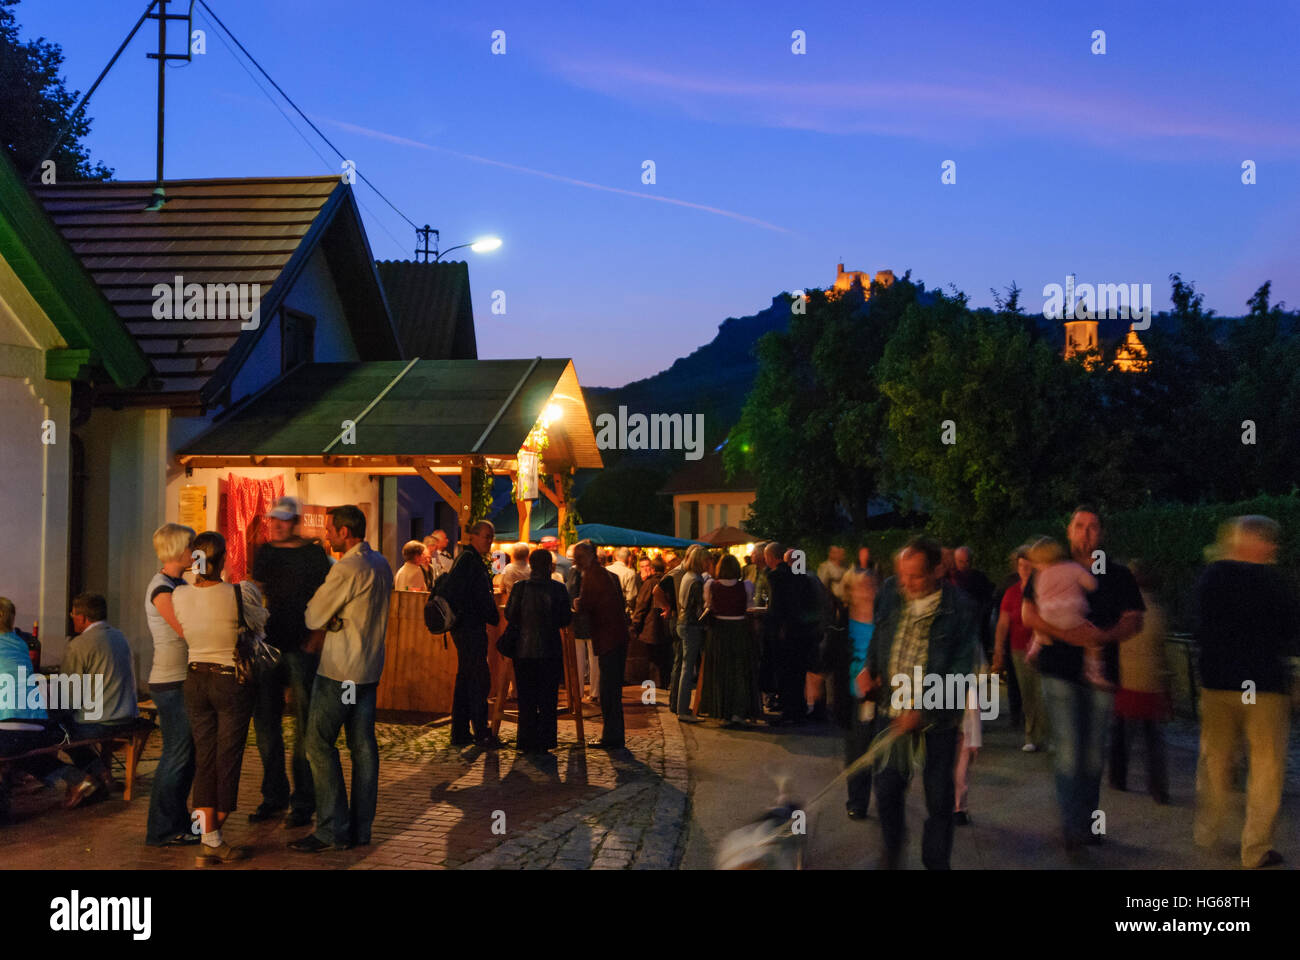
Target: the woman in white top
pixel 219 706
pixel 410 575
pixel 169 811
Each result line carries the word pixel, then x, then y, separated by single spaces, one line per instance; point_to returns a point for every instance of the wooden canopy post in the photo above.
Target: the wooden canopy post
pixel 525 508
pixel 556 497
pixel 466 497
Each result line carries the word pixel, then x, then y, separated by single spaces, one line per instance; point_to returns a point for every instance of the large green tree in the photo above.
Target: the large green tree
pixel 987 423
pixel 812 427
pixel 35 105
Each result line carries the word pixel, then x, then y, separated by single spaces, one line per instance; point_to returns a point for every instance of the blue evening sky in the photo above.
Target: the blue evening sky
pixel 770 166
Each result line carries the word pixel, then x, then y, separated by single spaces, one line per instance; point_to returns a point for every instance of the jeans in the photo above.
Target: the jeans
pixel 353 711
pixel 675 676
pixel 89 758
pixel 297 670
pixel 856 741
pixel 537 681
pixel 1080 717
pixel 936 776
pixel 611 696
pixel 219 709
pixel 687 670
pixel 469 708
pixel 169 811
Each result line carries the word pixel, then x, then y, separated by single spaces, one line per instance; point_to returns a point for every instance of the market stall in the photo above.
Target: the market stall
pixel 445 421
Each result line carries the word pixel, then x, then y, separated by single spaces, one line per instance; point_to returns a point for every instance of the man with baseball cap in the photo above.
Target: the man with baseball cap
pixel 288 569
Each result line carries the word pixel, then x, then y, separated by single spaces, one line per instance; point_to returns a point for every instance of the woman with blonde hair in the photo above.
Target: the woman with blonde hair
pixel 219 705
pixel 690 629
pixel 169 813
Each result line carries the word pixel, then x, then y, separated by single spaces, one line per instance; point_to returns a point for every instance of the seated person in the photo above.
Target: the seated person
pixel 24 726
pixel 98 651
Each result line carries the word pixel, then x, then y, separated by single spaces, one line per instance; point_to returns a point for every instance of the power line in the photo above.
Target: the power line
pixel 305 139
pixel 300 113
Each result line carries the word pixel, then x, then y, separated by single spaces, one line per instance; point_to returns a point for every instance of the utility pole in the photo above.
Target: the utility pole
pixel 162 56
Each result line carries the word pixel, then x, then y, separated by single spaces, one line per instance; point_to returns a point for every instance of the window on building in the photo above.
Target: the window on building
pixel 722 515
pixel 708 519
pixel 688 519
pixel 297 339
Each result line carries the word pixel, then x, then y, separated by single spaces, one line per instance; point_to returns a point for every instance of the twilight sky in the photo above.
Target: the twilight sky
pixel 770 167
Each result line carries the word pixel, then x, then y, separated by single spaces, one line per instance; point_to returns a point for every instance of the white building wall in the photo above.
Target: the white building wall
pixel 33 473
pixel 126 463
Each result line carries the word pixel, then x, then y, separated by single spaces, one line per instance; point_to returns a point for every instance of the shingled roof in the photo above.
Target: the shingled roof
pixel 431 307
pixel 217 231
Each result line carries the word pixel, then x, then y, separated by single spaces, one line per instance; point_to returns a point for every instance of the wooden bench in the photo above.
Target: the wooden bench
pixel 132 738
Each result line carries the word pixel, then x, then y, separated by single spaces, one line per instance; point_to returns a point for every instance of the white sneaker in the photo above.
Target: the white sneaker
pixel 1029 748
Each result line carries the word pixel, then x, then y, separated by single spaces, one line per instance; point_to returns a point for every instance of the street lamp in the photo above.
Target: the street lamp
pixel 481 245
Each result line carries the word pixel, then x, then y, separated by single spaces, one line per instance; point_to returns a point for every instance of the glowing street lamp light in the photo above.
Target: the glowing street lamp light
pixel 481 245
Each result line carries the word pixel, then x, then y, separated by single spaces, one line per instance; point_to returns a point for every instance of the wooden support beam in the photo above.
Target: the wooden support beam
pixel 525 508
pixel 551 495
pixel 440 485
pixel 466 498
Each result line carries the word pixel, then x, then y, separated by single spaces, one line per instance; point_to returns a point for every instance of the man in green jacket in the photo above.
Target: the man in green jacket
pixel 926 630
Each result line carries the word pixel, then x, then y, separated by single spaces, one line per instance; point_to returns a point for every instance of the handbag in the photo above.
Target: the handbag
pixel 252 652
pixel 508 642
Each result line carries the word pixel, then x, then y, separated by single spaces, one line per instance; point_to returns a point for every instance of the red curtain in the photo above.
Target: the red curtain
pixel 247 502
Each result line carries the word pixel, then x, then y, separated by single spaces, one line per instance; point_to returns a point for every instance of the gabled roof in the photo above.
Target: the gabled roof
pixel 248 231
pixel 708 475
pixel 431 308
pixel 40 258
pixel 412 409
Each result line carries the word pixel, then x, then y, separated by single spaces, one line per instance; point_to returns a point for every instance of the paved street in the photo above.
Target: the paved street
pixel 666 803
pixel 1012 804
pixel 437 809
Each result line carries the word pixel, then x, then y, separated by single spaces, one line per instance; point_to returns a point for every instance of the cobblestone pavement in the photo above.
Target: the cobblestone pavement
pixel 438 808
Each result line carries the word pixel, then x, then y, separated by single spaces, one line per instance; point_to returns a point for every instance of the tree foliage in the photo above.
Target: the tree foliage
pixel 852 405
pixel 36 105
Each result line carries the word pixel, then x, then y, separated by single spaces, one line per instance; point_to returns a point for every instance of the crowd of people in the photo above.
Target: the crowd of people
pixel 1076 635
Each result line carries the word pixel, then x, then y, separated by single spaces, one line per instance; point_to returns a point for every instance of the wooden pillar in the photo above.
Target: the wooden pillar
pixel 562 512
pixel 525 508
pixel 466 497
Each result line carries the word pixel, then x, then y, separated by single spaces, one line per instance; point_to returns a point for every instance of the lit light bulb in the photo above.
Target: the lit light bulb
pixel 485 244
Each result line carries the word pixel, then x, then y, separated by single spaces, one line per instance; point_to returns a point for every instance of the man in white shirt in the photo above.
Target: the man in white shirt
pixel 436 560
pixel 626 576
pixel 517 570
pixel 351 609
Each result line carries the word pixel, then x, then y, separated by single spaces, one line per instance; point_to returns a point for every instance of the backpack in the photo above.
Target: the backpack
pixel 438 615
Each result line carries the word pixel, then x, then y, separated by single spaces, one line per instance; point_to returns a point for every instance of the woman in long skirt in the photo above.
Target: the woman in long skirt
pixel 731 673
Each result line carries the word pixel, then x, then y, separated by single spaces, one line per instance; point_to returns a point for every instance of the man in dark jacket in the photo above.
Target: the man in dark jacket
pixel 791 625
pixel 601 600
pixel 928 627
pixel 648 624
pixel 469 593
